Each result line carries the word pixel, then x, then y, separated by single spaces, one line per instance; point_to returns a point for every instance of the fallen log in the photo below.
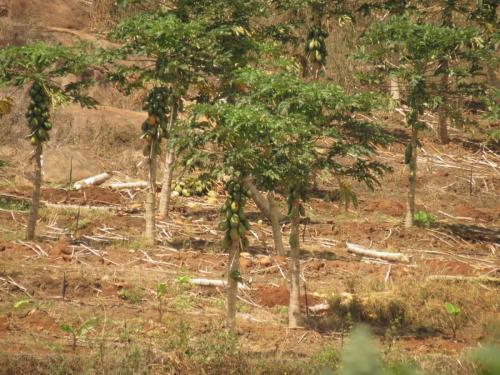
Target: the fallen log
pixel 472 279
pixel 211 282
pixel 360 250
pixel 128 185
pixel 94 180
pixel 57 206
pixel 321 307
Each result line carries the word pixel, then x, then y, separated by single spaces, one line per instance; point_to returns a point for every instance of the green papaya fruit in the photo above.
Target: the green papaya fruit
pixel 34 123
pixel 242 230
pixel 235 236
pixel 234 206
pixel 235 221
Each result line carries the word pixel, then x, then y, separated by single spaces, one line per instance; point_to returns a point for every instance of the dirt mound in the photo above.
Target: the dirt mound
pixel 271 296
pixel 58 162
pixel 385 206
pixel 488 214
pixel 71 14
pixel 448 267
pixel 87 196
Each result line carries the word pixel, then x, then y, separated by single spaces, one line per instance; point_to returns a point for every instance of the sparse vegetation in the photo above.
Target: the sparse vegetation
pixel 285 135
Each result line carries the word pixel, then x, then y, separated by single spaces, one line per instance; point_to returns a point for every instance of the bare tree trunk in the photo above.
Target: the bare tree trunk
pixel 443 117
pixel 150 232
pixel 294 306
pixel 35 201
pixel 232 284
pixel 169 162
pixel 275 222
pixel 394 88
pixel 257 197
pixel 412 178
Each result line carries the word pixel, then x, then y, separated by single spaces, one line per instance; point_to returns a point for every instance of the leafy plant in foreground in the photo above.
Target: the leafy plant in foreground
pixel 160 291
pixel 424 219
pixel 79 332
pixel 454 314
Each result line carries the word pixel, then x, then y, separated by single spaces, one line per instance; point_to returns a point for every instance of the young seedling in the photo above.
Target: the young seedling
pixel 22 302
pixel 454 314
pixel 424 219
pixel 161 290
pixel 80 332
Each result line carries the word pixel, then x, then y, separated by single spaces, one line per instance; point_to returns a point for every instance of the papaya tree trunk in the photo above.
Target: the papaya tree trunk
pixel 294 305
pixel 35 201
pixel 166 189
pixel 394 89
pixel 443 117
pixel 412 178
pixel 232 284
pixel 150 232
pixel 275 222
pixel 257 197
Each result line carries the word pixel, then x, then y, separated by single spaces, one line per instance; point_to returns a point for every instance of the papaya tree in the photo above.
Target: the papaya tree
pixel 182 47
pixel 421 49
pixel 40 66
pixel 280 131
pixel 170 52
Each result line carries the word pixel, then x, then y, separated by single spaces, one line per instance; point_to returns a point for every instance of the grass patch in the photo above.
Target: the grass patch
pixel 130 295
pixel 13 204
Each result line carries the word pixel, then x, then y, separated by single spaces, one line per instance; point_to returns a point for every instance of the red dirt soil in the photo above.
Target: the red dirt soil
pixel 271 296
pixel 90 195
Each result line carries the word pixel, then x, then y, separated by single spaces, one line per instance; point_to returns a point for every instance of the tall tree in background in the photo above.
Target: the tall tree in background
pixel 40 65
pixel 421 49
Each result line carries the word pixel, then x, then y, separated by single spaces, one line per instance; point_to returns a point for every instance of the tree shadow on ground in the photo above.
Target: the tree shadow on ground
pixel 471 232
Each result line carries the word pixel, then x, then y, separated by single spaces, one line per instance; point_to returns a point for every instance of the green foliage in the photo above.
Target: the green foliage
pixel 425 51
pixel 271 132
pixel 80 331
pixel 424 219
pixel 183 279
pixel 41 65
pixel 360 356
pixel 160 290
pixel 130 295
pixel 487 359
pixel 452 309
pixel 454 313
pixel 20 303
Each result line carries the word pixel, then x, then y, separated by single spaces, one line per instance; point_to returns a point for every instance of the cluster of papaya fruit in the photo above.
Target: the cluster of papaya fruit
pixel 38 114
pixel 193 186
pixel 235 224
pixel 315 44
pixel 154 127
